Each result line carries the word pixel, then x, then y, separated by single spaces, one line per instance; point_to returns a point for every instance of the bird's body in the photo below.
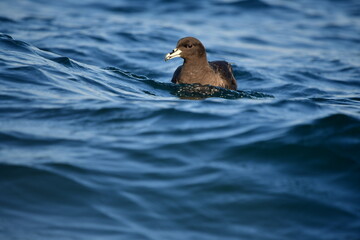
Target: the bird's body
pixel 196 68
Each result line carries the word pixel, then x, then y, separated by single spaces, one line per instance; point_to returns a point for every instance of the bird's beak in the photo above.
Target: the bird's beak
pixel 175 53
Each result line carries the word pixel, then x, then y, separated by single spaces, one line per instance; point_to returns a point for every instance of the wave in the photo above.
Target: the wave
pixel 249 4
pixel 328 142
pixel 78 78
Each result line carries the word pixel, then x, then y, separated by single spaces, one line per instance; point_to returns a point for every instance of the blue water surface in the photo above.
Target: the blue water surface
pixel 96 143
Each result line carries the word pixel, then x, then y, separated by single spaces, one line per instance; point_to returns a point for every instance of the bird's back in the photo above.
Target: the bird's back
pixel 225 71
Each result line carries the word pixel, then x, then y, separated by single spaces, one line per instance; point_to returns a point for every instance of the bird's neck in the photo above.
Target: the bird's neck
pixel 196 63
pixel 195 70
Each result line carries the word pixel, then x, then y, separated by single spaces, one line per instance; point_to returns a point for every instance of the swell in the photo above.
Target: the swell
pixel 33 189
pixel 324 133
pixel 54 196
pixel 66 76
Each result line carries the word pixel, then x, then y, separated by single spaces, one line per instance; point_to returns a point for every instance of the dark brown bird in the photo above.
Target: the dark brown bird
pixel 197 69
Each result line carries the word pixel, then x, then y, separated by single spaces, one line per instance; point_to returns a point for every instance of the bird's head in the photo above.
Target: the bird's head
pixel 187 48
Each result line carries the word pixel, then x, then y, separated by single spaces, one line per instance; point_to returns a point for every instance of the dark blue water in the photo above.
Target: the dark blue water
pixel 96 143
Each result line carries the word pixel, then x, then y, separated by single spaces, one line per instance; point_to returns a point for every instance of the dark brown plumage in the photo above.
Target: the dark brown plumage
pixel 197 69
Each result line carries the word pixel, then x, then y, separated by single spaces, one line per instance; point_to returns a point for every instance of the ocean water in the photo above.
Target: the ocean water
pixel 96 143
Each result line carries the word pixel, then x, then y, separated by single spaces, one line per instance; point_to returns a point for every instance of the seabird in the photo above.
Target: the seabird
pixel 197 69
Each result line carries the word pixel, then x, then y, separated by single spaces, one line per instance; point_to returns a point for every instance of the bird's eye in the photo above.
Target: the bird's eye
pixel 188 46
